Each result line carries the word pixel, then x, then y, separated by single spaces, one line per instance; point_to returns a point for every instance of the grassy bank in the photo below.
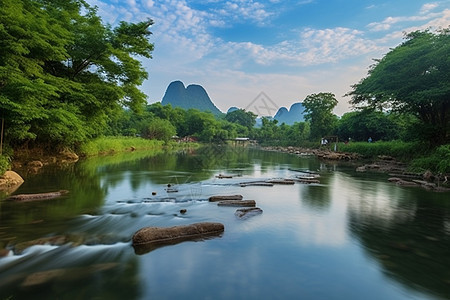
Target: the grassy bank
pixel 109 145
pixel 418 156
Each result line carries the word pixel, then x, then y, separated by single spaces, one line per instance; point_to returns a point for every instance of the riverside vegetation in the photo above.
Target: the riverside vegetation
pixel 69 82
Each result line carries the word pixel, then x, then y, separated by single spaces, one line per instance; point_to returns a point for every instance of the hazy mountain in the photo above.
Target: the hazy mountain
pixel 194 96
pixel 289 117
pixel 231 109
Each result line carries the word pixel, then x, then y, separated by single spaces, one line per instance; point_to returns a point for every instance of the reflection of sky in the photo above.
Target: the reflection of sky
pixel 298 248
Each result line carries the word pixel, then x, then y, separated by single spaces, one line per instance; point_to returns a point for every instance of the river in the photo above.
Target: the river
pixel 351 236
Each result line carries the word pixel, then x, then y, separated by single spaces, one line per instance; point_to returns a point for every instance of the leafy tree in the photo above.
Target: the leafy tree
pixel 413 78
pixel 63 73
pixel 160 129
pixel 360 125
pixel 242 117
pixel 269 131
pixel 318 111
pixel 201 124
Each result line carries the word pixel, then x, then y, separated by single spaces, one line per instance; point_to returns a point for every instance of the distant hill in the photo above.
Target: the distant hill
pixel 194 96
pixel 289 117
pixel 231 109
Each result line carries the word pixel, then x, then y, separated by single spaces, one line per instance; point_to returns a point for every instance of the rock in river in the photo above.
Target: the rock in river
pixel 225 198
pixel 242 203
pixel 244 213
pixel 150 238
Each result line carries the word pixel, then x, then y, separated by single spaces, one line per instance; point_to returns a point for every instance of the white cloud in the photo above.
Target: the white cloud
pixel 425 14
pixel 242 11
pixel 426 8
pixel 315 60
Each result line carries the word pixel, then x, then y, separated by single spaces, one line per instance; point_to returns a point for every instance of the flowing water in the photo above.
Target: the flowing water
pixel 351 236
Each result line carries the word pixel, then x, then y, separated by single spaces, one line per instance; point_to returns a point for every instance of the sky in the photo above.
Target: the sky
pixel 262 55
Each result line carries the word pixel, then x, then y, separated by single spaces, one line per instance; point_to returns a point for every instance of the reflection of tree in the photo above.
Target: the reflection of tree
pixel 414 250
pixel 85 195
pixel 316 197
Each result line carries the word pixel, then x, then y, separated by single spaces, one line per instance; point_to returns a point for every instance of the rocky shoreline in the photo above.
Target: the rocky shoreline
pixel 383 164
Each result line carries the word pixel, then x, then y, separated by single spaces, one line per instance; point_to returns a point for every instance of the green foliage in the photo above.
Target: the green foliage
pixel 160 129
pixel 242 117
pixel 360 125
pixel 413 78
pixel 4 164
pixel 63 73
pixel 438 161
pixel 397 149
pixel 318 111
pixel 105 145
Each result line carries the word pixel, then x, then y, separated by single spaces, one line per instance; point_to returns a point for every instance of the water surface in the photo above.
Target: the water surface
pixel 353 236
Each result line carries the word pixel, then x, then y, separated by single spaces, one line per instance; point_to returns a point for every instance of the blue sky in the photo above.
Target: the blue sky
pixel 286 50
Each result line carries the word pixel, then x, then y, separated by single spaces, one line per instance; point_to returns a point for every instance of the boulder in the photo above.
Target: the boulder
pixel 242 203
pixel 245 213
pixel 10 181
pixel 150 238
pixel 225 198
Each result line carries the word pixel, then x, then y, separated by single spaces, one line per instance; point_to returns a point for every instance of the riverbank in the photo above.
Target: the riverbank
pixel 31 161
pixel 401 172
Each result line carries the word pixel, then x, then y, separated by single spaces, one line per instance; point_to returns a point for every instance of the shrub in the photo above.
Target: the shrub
pixel 4 164
pixel 438 161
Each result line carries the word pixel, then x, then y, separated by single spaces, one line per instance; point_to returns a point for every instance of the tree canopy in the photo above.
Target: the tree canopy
pixel 319 112
pixel 63 72
pixel 413 78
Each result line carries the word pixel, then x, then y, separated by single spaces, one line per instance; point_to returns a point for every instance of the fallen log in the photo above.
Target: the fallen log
pixel 242 203
pixel 37 197
pixel 225 198
pixel 150 238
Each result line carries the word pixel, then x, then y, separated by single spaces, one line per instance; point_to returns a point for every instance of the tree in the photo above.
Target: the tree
pixel 412 78
pixel 160 129
pixel 318 111
pixel 360 125
pixel 63 73
pixel 242 117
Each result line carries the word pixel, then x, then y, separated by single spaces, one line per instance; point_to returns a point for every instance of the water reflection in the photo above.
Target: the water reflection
pixel 351 236
pixel 404 230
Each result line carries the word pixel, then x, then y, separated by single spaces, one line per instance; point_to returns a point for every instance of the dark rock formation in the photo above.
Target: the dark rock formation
pixel 150 238
pixel 194 96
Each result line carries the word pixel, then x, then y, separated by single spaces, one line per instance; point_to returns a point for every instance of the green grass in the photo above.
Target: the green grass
pixel 438 161
pixel 109 145
pixel 418 155
pixel 112 144
pixel 397 149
